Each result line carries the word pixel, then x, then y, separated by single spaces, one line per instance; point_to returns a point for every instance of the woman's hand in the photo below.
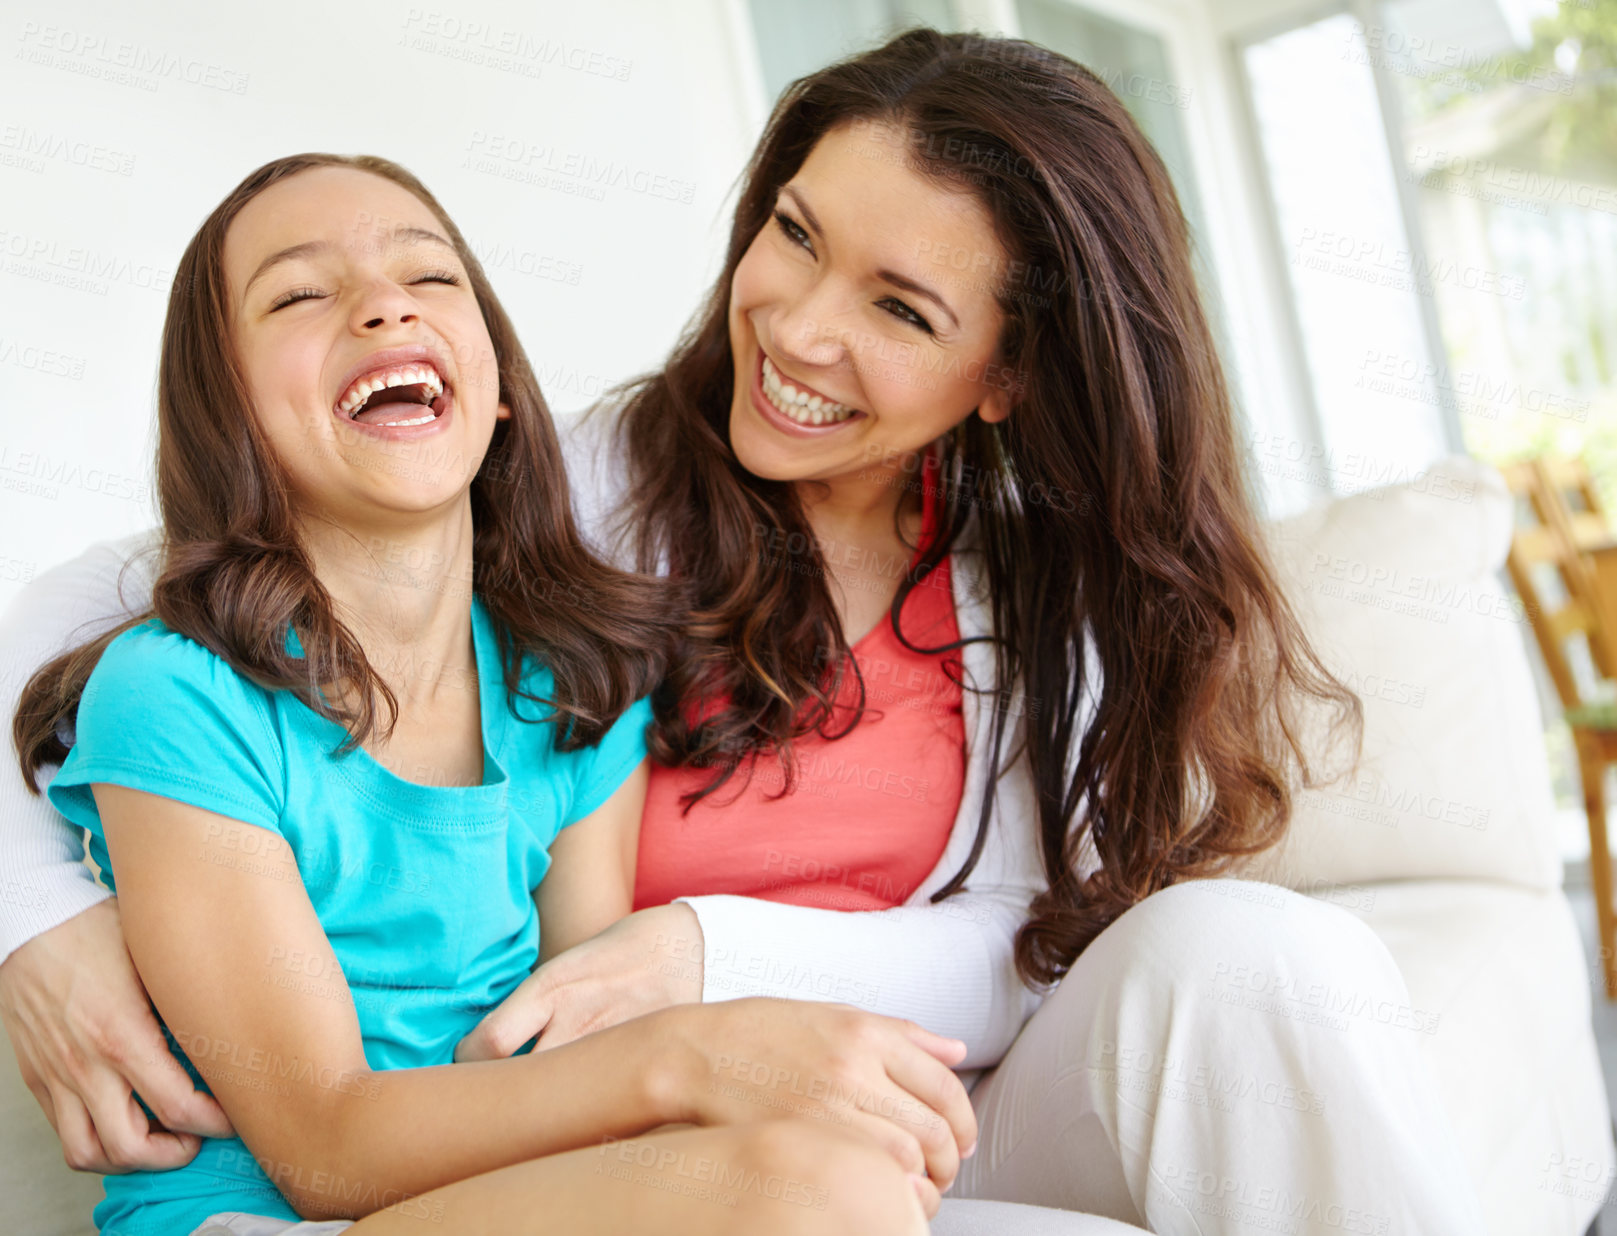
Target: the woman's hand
pixel 82 1027
pixel 648 961
pixel 742 1061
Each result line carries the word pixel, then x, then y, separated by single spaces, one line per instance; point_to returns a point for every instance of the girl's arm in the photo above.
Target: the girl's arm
pixel 289 1067
pixel 590 883
pixel 339 1139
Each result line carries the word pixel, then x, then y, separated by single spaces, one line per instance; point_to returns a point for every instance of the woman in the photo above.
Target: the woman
pixel 1133 686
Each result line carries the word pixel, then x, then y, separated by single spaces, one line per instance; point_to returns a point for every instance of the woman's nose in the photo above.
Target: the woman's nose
pixel 811 331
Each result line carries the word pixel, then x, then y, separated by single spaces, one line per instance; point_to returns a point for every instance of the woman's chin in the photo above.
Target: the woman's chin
pixel 762 452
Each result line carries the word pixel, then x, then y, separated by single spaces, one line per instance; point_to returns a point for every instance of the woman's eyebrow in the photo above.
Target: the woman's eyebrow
pixel 886 276
pixel 809 216
pixel 408 234
pixel 920 289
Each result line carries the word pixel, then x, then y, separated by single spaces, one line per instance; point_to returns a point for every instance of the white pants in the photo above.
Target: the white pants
pixel 1227 1057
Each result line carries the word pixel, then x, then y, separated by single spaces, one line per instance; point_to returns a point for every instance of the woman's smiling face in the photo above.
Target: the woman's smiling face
pixel 342 288
pixel 854 336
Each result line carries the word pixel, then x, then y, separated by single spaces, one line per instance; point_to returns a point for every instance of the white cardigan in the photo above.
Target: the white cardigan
pixel 948 966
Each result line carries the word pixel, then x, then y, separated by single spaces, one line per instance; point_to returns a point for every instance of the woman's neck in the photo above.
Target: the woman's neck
pixel 865 526
pixel 405 591
pixel 864 507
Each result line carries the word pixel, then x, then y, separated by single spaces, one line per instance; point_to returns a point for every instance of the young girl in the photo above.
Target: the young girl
pixel 383 687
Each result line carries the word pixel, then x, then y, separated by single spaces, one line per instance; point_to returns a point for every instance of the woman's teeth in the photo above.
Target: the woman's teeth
pixel 405 375
pixel 799 405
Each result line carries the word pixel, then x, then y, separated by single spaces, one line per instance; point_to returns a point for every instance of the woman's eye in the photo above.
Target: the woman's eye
pixel 904 313
pixel 438 276
pixel 294 296
pixel 794 233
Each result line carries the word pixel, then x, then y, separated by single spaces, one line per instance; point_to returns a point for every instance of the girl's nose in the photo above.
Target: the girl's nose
pixel 381 303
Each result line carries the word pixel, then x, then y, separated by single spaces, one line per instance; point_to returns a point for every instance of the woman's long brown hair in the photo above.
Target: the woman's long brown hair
pixel 1114 497
pixel 234 576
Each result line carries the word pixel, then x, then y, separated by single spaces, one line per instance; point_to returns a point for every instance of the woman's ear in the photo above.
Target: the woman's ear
pixel 503 412
pixel 996 405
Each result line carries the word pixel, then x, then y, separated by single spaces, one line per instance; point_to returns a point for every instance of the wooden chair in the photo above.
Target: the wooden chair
pixel 1579 546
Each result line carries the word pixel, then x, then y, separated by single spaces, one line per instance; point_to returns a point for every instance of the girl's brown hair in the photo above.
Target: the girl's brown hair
pixel 1113 499
pixel 234 577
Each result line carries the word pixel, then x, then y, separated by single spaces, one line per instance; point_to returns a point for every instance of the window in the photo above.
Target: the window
pixel 797 38
pixel 1355 275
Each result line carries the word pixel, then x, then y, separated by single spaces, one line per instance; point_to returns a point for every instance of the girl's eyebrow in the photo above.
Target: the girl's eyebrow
pixel 408 234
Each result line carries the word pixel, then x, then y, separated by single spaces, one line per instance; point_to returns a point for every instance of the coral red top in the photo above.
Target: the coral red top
pixel 869 813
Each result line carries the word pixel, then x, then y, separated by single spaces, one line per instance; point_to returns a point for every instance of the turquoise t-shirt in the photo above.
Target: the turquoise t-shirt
pixel 424 891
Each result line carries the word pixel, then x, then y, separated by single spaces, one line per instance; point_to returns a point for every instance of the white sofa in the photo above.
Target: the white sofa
pixel 1443 843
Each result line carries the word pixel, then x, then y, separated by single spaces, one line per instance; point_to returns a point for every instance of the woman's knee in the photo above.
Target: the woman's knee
pixel 1237 941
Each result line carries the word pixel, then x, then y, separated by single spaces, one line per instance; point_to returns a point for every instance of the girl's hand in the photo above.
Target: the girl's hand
pixel 85 1037
pixel 648 961
pixel 742 1061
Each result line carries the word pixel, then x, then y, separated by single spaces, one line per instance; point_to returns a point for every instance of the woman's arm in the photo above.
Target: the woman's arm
pixel 590 883
pixel 43 879
pixel 70 1000
pixel 951 967
pixel 289 1065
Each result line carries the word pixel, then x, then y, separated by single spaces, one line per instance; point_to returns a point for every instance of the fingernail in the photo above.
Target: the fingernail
pixel 970 1150
pixel 919 1182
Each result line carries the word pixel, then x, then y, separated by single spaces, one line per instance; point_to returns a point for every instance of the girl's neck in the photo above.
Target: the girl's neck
pixel 404 589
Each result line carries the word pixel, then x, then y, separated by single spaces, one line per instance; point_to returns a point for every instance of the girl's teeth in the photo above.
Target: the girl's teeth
pixel 406 375
pixel 798 404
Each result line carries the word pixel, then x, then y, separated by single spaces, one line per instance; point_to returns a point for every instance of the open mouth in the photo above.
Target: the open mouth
pixel 399 396
pixel 795 403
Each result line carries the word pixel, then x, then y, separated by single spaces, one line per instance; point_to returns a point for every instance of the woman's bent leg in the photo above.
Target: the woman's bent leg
pixel 791 1177
pixel 1226 1057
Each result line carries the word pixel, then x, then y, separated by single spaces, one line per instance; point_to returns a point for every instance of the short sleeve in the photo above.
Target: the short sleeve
pixel 599 770
pixel 162 714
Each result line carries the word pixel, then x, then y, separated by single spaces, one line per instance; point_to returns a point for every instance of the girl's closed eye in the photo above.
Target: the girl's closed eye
pixel 310 293
pixel 295 295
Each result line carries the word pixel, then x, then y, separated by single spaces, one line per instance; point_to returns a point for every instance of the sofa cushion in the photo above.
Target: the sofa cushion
pixel 1402 593
pixel 1499 973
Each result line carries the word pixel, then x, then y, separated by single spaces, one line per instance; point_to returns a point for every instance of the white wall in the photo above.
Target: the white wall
pixel 121 129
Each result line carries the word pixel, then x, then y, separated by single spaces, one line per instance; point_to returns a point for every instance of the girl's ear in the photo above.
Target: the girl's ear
pixel 503 412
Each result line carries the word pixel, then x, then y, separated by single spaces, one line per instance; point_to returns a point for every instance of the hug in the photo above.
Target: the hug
pixel 794 797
